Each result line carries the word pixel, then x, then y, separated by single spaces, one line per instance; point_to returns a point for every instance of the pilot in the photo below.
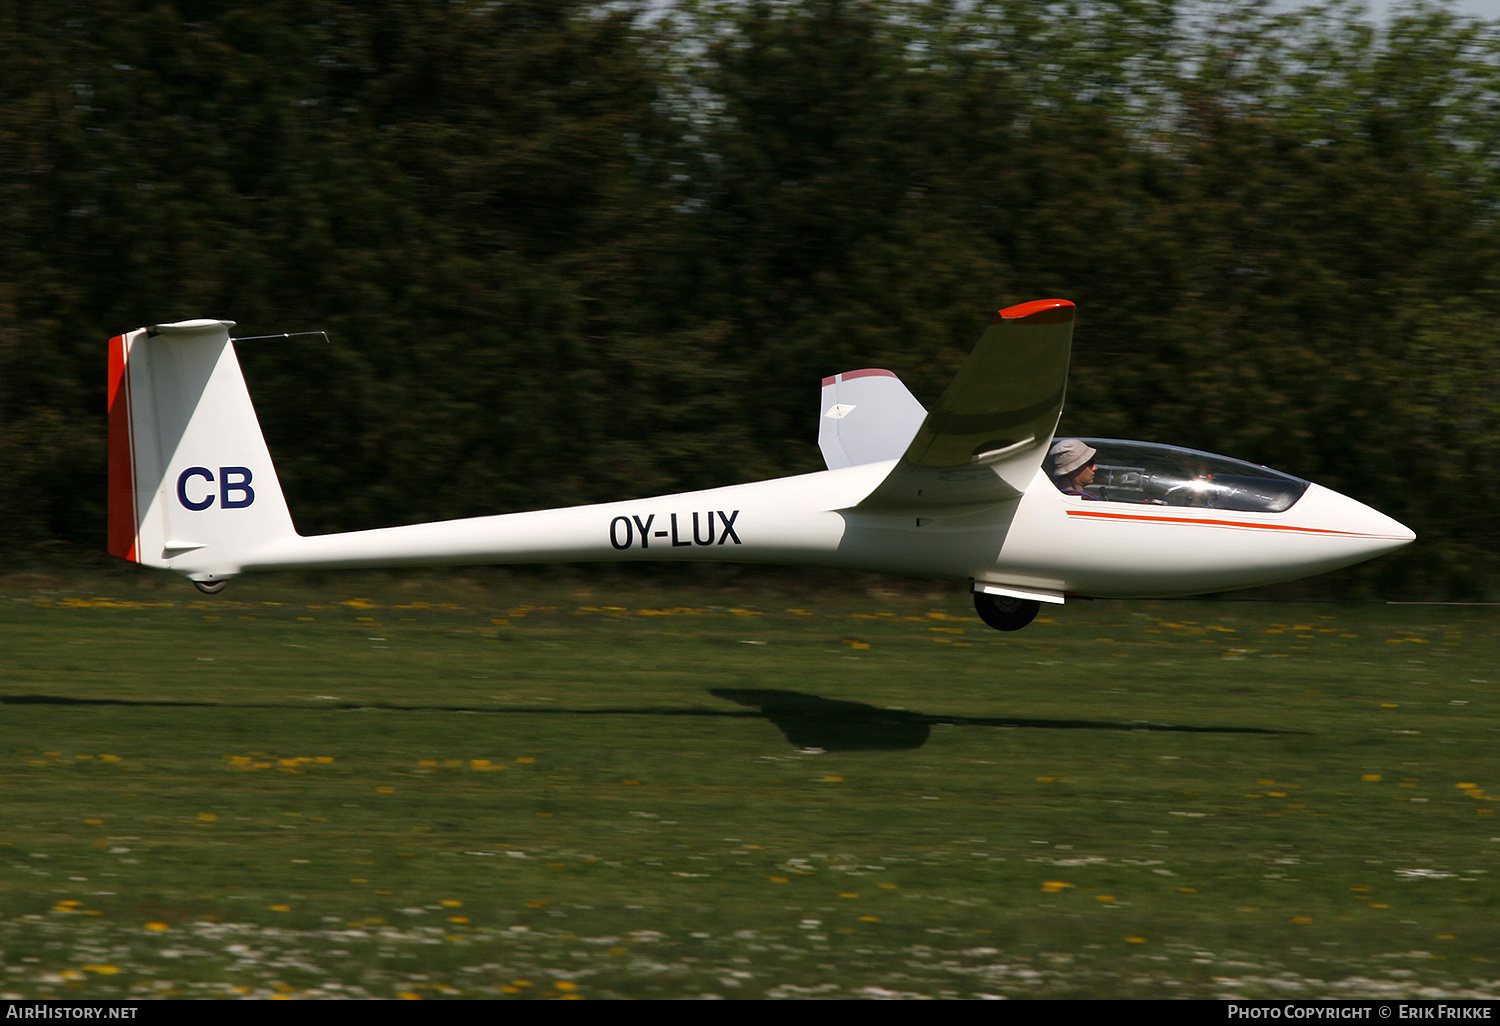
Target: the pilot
pixel 1072 467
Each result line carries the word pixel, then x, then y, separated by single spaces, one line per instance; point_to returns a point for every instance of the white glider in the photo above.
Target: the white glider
pixel 959 492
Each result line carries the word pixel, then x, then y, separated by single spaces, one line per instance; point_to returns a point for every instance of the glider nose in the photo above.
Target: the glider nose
pixel 1367 532
pixel 1401 535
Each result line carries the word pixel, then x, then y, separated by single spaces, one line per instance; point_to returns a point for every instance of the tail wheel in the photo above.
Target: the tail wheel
pixel 1003 612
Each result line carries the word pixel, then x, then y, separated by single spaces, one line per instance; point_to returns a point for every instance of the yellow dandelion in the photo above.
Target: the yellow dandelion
pixel 1135 940
pixel 157 927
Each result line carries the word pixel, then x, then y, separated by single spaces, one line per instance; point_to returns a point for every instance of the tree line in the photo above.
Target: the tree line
pixel 568 252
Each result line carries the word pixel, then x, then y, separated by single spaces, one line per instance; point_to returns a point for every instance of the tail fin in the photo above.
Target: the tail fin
pixel 191 486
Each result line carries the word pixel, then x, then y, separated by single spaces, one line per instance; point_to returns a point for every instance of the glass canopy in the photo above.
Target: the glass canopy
pixel 1165 475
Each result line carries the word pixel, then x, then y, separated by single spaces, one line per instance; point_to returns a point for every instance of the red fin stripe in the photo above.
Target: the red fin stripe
pixel 122 529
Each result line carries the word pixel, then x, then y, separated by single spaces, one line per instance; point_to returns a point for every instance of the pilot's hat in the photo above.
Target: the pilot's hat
pixel 1068 454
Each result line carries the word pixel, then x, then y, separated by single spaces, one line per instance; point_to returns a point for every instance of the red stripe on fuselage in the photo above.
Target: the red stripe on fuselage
pixel 1201 522
pixel 122 529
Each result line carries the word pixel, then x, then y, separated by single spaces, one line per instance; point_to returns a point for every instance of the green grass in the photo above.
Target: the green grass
pixel 376 789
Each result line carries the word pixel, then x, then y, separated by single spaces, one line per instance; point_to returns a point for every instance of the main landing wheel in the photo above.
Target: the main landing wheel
pixel 214 587
pixel 1003 612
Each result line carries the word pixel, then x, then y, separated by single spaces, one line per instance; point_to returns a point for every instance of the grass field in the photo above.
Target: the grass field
pixel 381 788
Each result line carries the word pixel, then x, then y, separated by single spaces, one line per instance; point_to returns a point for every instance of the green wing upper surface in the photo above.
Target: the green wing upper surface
pixel 983 440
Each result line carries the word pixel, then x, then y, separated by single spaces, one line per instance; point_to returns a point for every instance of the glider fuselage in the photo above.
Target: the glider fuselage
pixel 1044 541
pixel 960 492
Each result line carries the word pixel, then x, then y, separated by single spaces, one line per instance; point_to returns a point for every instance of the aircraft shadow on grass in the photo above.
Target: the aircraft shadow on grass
pixel 834 725
pixel 807 721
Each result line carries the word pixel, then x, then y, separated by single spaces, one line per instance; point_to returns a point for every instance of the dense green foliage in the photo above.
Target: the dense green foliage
pixel 566 252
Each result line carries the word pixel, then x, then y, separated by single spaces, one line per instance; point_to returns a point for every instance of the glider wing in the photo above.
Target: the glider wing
pixel 982 443
pixel 868 416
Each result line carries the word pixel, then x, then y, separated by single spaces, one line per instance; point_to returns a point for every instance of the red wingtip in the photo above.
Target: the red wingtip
pixel 1042 311
pixel 868 372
